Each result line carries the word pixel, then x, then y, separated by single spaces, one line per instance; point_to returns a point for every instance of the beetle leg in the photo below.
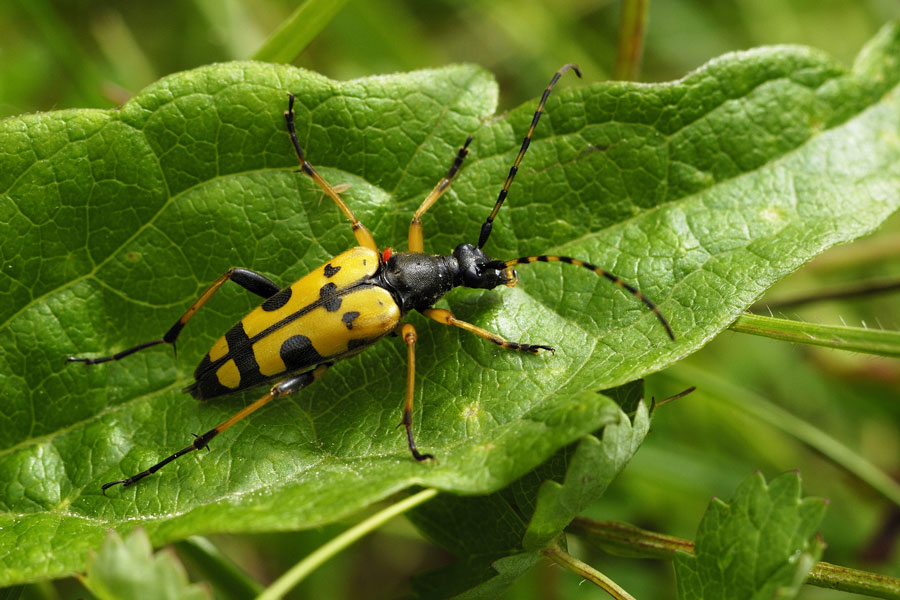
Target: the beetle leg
pixel 416 235
pixel 446 317
pixel 279 390
pixel 247 279
pixel 363 236
pixel 408 333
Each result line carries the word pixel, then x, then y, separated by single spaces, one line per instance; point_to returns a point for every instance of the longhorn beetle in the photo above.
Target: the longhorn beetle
pixel 348 304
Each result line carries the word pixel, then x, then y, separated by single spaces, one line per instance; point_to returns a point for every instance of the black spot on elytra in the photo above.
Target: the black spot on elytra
pixel 278 300
pixel 297 352
pixel 331 302
pixel 348 318
pixel 239 349
pixel 331 271
pixel 206 383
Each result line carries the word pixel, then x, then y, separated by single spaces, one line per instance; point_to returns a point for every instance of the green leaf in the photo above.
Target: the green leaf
pixel 475 579
pixel 591 469
pixel 11 593
pixel 486 532
pixel 125 570
pixel 528 515
pixel 760 545
pixel 298 30
pixel 701 192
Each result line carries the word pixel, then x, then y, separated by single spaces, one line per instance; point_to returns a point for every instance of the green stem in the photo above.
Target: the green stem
pixel 298 572
pixel 290 39
pixel 757 406
pixel 624 539
pixel 835 577
pixel 855 339
pixel 229 579
pixel 587 572
pixel 630 45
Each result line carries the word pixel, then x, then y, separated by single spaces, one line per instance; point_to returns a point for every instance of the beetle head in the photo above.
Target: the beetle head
pixel 477 270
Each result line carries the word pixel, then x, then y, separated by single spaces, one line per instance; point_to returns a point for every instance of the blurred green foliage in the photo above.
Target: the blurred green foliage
pixel 90 54
pixel 85 53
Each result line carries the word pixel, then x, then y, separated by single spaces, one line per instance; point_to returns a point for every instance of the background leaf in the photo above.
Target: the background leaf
pixel 127 569
pixel 489 533
pixel 703 192
pixel 759 545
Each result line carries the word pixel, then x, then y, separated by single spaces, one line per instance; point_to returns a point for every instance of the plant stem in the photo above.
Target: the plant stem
pixel 835 577
pixel 298 30
pixel 587 572
pixel 630 45
pixel 298 572
pixel 855 339
pixel 757 406
pixel 625 539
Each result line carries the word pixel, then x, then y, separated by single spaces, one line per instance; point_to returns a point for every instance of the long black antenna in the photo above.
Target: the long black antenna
pixel 486 228
pixel 524 260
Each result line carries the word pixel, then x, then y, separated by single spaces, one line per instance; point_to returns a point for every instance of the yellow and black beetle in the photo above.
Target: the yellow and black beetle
pixel 348 304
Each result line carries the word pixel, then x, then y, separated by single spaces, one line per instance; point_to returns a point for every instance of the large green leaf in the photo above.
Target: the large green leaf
pixel 702 192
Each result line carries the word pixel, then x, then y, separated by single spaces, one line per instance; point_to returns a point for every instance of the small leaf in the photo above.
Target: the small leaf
pixel 11 593
pixel 529 514
pixel 125 570
pixel 474 579
pixel 590 471
pixel 760 545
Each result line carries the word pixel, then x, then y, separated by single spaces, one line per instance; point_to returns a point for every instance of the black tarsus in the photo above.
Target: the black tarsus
pixel 118 355
pixel 200 442
pixel 412 446
pixel 251 281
